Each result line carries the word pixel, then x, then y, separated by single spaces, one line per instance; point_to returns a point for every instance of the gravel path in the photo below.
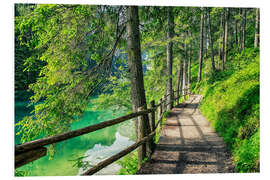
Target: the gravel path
pixel 188 144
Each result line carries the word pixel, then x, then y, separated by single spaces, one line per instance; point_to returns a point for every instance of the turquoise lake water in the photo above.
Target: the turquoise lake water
pixel 94 146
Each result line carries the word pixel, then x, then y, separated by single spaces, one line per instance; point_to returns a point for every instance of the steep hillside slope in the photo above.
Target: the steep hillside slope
pixel 232 105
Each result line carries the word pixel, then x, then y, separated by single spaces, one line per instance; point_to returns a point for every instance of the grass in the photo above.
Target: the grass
pixel 232 105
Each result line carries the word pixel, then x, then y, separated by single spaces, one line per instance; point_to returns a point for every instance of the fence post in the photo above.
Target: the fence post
pixel 172 98
pixel 178 96
pixel 183 93
pixel 152 116
pixel 159 111
pixel 152 125
pixel 141 134
pixel 164 103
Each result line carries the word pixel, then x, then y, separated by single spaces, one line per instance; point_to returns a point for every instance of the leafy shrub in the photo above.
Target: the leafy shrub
pixel 246 154
pixel 129 164
pixel 20 173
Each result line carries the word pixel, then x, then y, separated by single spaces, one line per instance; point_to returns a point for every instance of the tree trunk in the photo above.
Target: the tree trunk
pixel 211 41
pixel 184 71
pixel 179 78
pixel 244 29
pixel 223 38
pixel 256 39
pixel 136 72
pixel 231 37
pixel 170 34
pixel 178 85
pixel 235 32
pixel 230 28
pixel 221 42
pixel 205 35
pixel 201 46
pixel 189 65
pixel 240 30
pixel 225 45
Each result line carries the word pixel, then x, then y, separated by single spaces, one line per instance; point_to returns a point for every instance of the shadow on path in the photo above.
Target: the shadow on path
pixel 188 145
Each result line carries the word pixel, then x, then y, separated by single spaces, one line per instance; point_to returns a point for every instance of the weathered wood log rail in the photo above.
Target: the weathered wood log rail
pixel 33 150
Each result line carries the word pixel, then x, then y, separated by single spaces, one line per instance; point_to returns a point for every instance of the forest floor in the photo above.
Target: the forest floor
pixel 188 144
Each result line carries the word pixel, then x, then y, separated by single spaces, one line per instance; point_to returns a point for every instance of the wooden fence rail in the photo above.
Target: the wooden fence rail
pixel 71 134
pixel 117 156
pixel 33 150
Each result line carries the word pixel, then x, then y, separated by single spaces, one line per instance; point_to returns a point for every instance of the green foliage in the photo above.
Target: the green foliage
pixel 73 66
pixel 231 103
pixel 19 173
pixel 247 154
pixel 154 78
pixel 129 164
pixel 116 96
pixel 23 77
pixel 80 163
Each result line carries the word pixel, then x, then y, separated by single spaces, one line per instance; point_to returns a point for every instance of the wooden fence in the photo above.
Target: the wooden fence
pixel 33 150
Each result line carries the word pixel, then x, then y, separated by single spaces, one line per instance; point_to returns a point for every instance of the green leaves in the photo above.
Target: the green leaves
pixel 129 164
pixel 80 163
pixel 70 45
pixel 20 173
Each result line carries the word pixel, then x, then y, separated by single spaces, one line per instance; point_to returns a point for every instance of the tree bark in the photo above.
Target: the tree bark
pixel 189 65
pixel 240 31
pixel 235 32
pixel 205 35
pixel 256 39
pixel 244 29
pixel 230 28
pixel 223 39
pixel 184 71
pixel 179 79
pixel 220 53
pixel 152 125
pixel 170 33
pixel 225 45
pixel 231 38
pixel 135 67
pixel 201 46
pixel 211 41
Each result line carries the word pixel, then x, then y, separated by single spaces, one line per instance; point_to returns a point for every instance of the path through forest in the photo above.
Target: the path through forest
pixel 188 144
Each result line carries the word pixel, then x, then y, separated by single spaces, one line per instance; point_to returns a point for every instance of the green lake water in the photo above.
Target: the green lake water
pixel 94 146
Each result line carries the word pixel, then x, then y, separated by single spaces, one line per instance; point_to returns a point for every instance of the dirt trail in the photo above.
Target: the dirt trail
pixel 188 144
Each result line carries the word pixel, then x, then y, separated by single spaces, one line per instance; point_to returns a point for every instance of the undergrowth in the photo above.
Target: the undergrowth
pixel 129 164
pixel 231 102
